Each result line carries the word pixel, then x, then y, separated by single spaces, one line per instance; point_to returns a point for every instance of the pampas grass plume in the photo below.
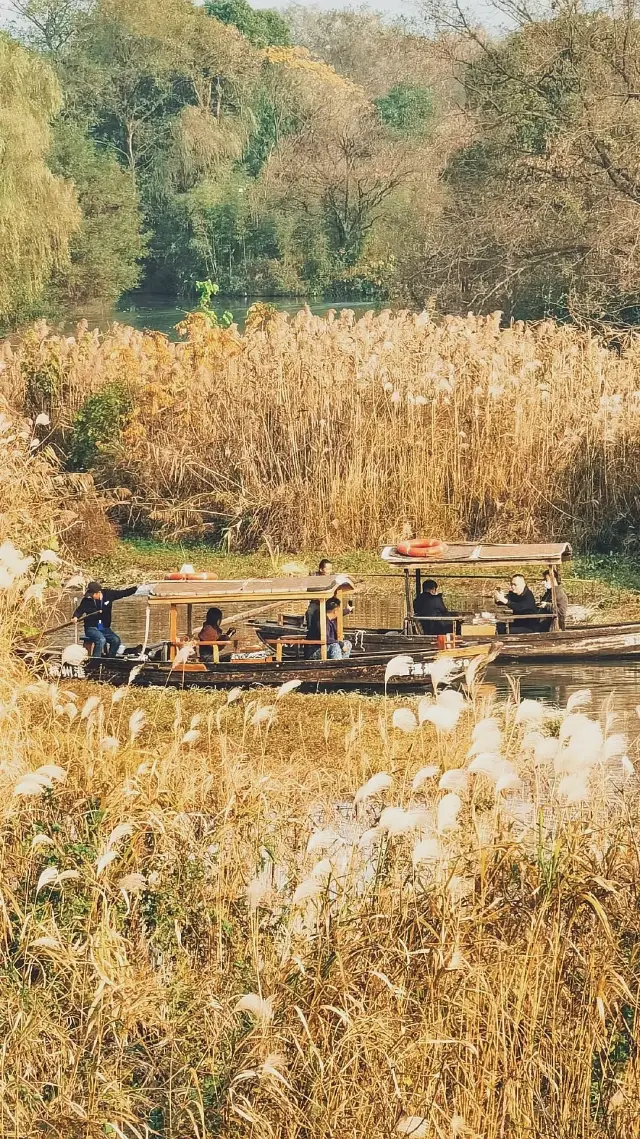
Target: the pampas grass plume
pixel 74 655
pixel 105 860
pixel 448 809
pixel 89 706
pixel 574 789
pixel 287 687
pixel 579 699
pixel 133 883
pixel 413 1126
pixel 308 889
pixel 404 720
pixel 263 715
pixel 453 780
pixel 377 783
pixel 322 840
pixel 136 723
pixel 627 767
pixel 443 718
pixel 423 774
pixel 258 1007
pixel 257 890
pixel 426 850
pixel 530 712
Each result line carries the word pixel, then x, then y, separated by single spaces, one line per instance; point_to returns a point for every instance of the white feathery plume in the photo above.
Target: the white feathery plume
pixel 489 742
pixel 105 860
pixel 308 889
pixel 530 712
pixel 471 671
pixel 454 780
pixel 574 788
pixel 545 750
pixel 35 592
pixel 233 695
pixel 70 711
pixel 583 749
pixel 451 698
pixel 395 821
pixel 444 719
pixel 52 771
pixel 426 850
pixel 574 722
pixel 404 720
pixel 448 809
pixel 258 1007
pixel 287 687
pixel 486 763
pixel 41 840
pixel 266 714
pixel 368 837
pixel 183 654
pixel 191 737
pixel 136 723
pixel 456 961
pixel 423 774
pixel 50 558
pixel 195 721
pixel 45 943
pixel 132 675
pixel 509 781
pixel 322 840
pixel 440 670
pixel 579 699
pixel 257 890
pixel 66 876
pixel 133 883
pixel 615 746
pixel 627 767
pixel 118 695
pixel 379 782
pixel 29 786
pixel 321 871
pixel 41 420
pixel 413 1126
pixel 109 744
pixel 123 830
pixel 273 1066
pixel 89 706
pixel 397 666
pixel 48 876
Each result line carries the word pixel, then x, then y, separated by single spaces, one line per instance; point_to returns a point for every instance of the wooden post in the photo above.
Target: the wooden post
pixel 418 582
pixel 173 630
pixel 189 620
pixel 340 618
pixel 408 605
pixel 323 629
pixel 554 600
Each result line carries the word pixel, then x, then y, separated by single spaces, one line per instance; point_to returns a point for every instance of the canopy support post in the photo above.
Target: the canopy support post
pixel 555 625
pixel 189 621
pixel 408 606
pixel 323 629
pixel 340 618
pixel 173 630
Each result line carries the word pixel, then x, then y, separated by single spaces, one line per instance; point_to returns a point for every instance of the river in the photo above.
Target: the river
pixel 161 314
pixel 615 685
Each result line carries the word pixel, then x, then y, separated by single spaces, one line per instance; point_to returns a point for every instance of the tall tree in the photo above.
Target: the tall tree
pixel 38 211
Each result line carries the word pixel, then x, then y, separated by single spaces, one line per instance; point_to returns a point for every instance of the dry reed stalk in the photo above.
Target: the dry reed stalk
pixel 358 426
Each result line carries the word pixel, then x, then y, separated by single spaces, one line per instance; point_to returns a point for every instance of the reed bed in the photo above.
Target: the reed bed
pixel 349 432
pixel 297 916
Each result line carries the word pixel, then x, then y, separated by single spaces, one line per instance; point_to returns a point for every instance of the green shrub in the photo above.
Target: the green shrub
pixel 98 426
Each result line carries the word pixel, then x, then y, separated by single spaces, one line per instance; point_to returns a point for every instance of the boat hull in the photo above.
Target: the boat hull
pixel 583 642
pixel 365 672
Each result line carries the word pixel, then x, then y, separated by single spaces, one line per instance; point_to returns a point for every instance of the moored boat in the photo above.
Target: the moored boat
pixel 263 663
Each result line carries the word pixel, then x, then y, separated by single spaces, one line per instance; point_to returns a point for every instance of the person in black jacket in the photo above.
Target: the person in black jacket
pixel 96 609
pixel 430 603
pixel 519 600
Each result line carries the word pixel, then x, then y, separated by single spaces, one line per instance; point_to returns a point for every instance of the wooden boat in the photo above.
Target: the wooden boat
pixel 579 642
pixel 263 664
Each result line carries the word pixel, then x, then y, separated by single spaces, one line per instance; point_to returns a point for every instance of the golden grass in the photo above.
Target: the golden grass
pixel 491 990
pixel 344 433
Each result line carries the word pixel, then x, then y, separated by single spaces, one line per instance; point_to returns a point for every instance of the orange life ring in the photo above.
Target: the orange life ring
pixel 191 577
pixel 422 548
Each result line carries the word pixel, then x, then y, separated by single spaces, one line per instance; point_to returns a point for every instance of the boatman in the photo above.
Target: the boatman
pixel 95 608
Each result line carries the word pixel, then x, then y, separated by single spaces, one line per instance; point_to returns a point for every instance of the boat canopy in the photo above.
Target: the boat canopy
pixel 477 553
pixel 249 589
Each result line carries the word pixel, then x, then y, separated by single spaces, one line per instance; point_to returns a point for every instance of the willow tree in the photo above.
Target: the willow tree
pixel 38 212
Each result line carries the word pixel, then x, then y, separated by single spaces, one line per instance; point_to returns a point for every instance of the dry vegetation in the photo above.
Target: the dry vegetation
pixel 208 932
pixel 266 915
pixel 348 432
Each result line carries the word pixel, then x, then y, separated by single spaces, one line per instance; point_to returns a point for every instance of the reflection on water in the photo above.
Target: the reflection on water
pixel 616 685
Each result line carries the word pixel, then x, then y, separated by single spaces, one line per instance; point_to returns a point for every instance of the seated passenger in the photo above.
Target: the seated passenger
pixel 562 601
pixel 336 649
pixel 430 603
pixel 519 600
pixel 212 631
pixel 325 569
